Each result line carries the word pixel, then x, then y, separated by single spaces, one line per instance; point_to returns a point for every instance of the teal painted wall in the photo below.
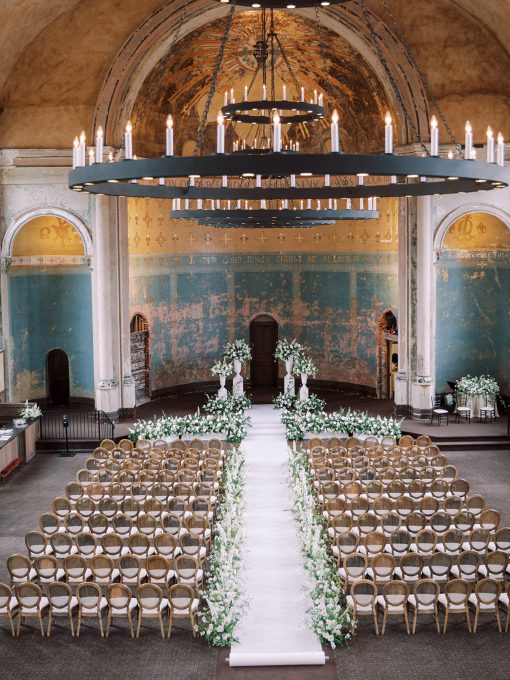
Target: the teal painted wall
pixel 195 304
pixel 473 322
pixel 50 308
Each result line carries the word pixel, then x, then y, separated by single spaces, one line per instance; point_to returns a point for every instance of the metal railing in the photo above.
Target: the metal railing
pixel 82 425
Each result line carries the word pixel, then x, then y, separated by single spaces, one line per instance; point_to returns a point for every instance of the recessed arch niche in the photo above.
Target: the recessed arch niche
pixel 48 297
pixel 472 289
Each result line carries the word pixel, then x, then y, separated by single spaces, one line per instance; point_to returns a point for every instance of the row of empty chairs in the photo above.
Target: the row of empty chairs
pixel 115 531
pixel 27 600
pixel 400 518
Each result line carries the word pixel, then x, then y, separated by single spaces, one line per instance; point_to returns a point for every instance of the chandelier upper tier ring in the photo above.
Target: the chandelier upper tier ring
pixel 444 176
pixel 250 111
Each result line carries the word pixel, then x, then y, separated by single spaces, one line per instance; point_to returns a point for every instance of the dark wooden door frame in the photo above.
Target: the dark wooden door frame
pixel 263 337
pixel 57 364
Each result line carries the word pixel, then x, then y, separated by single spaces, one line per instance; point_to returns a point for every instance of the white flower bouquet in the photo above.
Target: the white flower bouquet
pixel 232 424
pixel 30 411
pixel 482 385
pixel 222 368
pixel 285 349
pixel 353 422
pixel 304 364
pixel 239 349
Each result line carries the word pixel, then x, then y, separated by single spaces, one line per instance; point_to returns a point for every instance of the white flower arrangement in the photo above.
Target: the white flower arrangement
pixel 352 422
pixel 231 404
pixel 482 385
pixel 30 411
pixel 232 424
pixel 224 594
pixel 304 364
pixel 222 368
pixel 239 349
pixel 285 349
pixel 329 616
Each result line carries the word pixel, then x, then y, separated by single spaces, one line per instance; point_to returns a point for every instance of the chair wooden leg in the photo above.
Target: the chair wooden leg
pixel 415 618
pixel 497 618
pixel 436 616
pixel 71 623
pixel 78 623
pixel 11 621
pixel 376 622
pixel 469 620
pixel 406 619
pixel 100 620
pixel 20 621
pixel 41 624
pixel 108 622
pixel 139 623
pixel 475 623
pixel 384 621
pixel 445 620
pixel 130 624
pixel 49 624
pixel 507 619
pixel 192 619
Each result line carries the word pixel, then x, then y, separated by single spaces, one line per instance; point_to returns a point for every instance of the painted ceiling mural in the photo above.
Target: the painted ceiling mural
pixel 179 85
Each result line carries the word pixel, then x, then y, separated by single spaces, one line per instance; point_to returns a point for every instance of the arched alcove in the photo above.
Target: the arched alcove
pixel 472 290
pixel 47 299
pixel 387 354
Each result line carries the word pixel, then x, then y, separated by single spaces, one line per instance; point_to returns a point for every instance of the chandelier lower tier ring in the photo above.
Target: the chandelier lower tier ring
pixel 350 176
pixel 271 218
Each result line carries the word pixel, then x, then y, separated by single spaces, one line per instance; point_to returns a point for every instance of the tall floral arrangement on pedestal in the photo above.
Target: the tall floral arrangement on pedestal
pixel 224 596
pixel 238 350
pixel 222 368
pixel 329 616
pixel 304 365
pixel 285 349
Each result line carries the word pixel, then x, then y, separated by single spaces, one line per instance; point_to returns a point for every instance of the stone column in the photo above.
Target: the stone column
pixel 401 396
pixel 422 388
pixel 128 391
pixel 105 307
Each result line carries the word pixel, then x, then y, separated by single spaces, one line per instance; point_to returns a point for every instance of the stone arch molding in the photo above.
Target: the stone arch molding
pixel 462 210
pixel 24 218
pixel 152 39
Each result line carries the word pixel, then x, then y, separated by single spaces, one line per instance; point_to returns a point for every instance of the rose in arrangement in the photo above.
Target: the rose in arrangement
pixel 239 349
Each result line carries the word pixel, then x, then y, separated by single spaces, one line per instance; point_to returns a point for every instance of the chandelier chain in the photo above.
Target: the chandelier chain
pixel 155 88
pixel 376 42
pixel 212 87
pixel 430 96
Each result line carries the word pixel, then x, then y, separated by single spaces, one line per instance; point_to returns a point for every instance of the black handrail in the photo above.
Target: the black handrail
pixel 89 425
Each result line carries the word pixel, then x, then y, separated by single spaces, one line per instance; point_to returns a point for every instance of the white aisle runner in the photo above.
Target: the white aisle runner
pixel 273 631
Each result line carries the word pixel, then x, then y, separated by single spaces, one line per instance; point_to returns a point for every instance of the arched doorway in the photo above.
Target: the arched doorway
pixel 140 365
pixel 58 377
pixel 387 355
pixel 263 337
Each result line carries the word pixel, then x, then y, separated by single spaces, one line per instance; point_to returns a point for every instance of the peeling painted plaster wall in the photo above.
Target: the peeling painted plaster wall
pixel 473 323
pixel 195 303
pixel 50 307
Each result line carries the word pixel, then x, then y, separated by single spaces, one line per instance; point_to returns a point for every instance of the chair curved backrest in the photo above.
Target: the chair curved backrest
pixel 395 593
pixel 118 596
pixel 487 591
pixel 457 591
pixel 29 595
pixel 60 595
pixel 426 591
pixel 149 597
pixel 75 567
pixel 89 596
pixel 19 567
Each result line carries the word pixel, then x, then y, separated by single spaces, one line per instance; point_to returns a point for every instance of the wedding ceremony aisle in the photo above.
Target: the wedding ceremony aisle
pixel 273 630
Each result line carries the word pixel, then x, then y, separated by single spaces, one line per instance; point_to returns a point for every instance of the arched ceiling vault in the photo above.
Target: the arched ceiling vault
pixel 55 58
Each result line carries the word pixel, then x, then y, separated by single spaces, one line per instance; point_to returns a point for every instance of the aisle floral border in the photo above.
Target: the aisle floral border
pixel 297 423
pixel 329 616
pixel 224 416
pixel 224 595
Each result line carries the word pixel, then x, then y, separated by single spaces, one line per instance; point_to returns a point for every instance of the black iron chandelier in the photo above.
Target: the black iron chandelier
pixel 264 183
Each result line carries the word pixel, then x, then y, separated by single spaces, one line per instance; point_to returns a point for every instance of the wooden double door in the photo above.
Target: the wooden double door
pixel 58 377
pixel 263 338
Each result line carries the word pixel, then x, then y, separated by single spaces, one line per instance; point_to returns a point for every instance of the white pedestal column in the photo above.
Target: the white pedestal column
pixel 401 395
pixel 422 388
pixel 128 388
